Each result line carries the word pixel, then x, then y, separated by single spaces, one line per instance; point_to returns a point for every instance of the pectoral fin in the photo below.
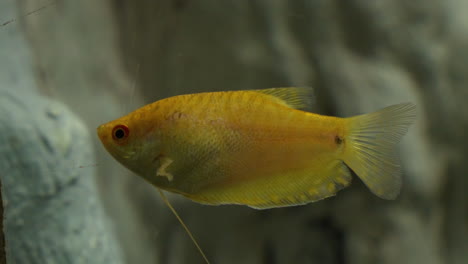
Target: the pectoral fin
pixel 165 162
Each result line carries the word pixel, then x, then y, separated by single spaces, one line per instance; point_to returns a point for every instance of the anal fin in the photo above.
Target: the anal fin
pixel 339 177
pixel 282 189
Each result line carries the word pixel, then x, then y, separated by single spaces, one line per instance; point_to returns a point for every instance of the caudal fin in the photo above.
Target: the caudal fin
pixel 370 147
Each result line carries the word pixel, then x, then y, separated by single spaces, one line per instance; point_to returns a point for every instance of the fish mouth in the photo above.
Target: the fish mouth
pixel 101 131
pixel 105 138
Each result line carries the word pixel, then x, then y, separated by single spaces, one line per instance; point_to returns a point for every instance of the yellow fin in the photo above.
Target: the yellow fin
pixel 283 189
pixel 310 190
pixel 370 147
pixel 294 97
pixel 165 162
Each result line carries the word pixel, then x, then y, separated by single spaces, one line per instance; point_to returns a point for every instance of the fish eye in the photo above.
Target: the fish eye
pixel 120 132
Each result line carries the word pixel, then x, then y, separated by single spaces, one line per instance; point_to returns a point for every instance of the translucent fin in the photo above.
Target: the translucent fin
pixel 166 201
pixel 370 147
pixel 291 188
pixel 294 97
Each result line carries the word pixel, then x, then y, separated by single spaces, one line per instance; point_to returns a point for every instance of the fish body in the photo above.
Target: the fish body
pixel 257 147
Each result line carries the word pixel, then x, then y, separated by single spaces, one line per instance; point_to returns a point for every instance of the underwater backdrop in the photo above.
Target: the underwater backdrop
pixel 68 66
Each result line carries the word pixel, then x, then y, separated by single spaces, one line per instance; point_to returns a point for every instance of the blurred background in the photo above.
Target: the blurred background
pixel 97 60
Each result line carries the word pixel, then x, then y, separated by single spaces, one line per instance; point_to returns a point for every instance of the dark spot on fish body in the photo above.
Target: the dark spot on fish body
pixel 339 140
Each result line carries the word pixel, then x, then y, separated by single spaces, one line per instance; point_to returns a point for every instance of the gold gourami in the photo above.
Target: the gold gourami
pixel 257 148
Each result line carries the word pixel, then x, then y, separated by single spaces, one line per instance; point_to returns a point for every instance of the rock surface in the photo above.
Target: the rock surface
pixel 53 213
pixel 359 55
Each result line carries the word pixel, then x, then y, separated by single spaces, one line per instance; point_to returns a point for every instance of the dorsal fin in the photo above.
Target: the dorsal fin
pixel 294 97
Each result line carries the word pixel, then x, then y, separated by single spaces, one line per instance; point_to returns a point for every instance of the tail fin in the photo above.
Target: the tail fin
pixel 370 147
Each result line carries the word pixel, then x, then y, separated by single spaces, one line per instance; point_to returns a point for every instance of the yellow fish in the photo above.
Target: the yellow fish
pixel 257 148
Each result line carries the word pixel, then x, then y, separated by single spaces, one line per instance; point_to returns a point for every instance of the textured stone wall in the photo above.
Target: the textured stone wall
pixel 105 58
pixel 53 211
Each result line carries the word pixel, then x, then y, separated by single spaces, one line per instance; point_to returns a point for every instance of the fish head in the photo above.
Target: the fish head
pixel 132 141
